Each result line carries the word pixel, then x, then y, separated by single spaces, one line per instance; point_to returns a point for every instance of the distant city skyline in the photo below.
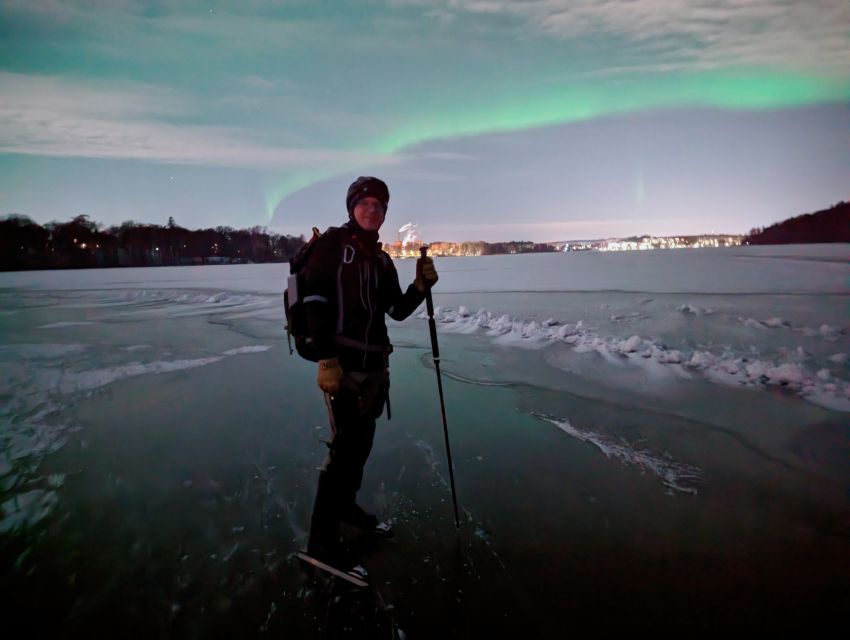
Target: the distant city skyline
pixel 546 120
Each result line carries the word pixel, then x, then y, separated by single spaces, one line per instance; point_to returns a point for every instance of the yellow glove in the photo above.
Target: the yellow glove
pixel 426 274
pixel 330 375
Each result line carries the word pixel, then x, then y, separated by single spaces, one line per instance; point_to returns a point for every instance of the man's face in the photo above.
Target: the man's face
pixel 369 213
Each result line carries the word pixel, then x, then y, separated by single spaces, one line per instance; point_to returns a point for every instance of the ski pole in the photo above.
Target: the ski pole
pixel 435 349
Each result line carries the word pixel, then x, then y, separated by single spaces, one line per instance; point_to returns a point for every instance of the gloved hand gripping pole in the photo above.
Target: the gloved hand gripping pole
pixel 432 325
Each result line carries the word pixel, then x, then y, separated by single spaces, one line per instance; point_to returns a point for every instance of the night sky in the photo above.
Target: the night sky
pixel 490 120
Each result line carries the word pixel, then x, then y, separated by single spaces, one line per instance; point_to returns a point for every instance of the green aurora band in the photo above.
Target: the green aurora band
pixel 745 89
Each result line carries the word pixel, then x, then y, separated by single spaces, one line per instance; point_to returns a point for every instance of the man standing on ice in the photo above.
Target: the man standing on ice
pixel 350 283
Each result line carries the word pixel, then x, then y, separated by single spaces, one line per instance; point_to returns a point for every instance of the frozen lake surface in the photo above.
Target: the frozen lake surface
pixel 649 440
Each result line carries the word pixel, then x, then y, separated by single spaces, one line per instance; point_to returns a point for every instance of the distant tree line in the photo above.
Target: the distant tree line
pixel 829 225
pixel 81 243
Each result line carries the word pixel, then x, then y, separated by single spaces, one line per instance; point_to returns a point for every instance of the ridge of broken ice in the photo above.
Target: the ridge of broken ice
pixel 826 331
pixel 748 369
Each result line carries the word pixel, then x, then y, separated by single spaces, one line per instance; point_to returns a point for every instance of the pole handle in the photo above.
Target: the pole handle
pixel 423 252
pixel 429 303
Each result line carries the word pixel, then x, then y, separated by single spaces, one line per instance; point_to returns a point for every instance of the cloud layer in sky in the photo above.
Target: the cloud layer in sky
pixel 298 93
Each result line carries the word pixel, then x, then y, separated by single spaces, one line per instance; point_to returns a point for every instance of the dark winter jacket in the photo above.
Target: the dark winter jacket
pixel 350 284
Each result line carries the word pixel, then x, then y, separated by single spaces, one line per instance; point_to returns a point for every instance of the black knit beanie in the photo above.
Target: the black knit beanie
pixel 366 187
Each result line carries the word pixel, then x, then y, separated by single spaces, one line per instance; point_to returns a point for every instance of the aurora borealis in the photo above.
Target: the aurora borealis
pixel 590 118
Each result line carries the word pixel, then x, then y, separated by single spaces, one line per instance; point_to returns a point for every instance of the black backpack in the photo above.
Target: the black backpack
pixel 293 300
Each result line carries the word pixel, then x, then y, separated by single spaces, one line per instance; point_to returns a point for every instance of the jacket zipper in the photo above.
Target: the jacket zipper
pixel 369 300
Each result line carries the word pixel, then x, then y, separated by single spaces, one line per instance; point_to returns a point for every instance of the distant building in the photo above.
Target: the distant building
pixel 644 243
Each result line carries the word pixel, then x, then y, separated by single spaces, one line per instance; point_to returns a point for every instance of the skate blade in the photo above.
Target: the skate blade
pixel 356 576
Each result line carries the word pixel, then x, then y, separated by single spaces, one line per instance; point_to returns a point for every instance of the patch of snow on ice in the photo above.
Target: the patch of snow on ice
pixel 785 374
pixel 675 476
pixel 628 346
pixel 252 349
pixel 757 369
pixel 694 310
pixel 138 347
pixel 26 509
pixel 754 324
pixel 701 360
pixel 93 379
pixel 60 325
pixel 830 400
pixel 776 322
pixel 828 331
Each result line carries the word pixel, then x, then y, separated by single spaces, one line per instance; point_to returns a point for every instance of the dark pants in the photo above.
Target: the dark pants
pixel 352 413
